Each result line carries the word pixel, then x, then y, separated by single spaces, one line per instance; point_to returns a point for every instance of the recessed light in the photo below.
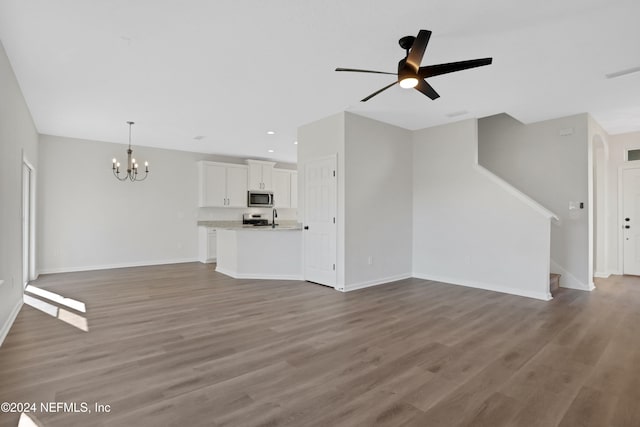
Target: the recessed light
pixel 270 151
pixel 295 142
pixel 458 113
pixel 271 132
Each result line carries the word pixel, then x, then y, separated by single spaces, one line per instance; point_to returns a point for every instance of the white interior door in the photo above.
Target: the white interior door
pixel 631 221
pixel 26 223
pixel 320 215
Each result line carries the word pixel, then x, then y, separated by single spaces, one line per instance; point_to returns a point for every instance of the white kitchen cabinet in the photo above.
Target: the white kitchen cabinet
pixel 282 188
pixel 207 244
pixel 285 188
pixel 222 185
pixel 260 175
pixel 237 186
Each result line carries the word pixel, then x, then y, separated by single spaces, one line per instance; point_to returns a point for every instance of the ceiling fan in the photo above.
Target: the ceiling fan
pixel 411 74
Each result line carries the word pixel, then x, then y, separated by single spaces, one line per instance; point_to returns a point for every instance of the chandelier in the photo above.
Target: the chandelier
pixel 132 166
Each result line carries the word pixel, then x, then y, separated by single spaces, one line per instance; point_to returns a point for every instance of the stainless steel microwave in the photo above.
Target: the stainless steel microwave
pixel 260 199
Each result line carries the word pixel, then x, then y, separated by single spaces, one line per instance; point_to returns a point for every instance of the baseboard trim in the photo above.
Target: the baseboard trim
pixel 236 275
pixel 544 296
pixel 111 266
pixel 568 280
pixel 4 331
pixel 601 275
pixel 376 282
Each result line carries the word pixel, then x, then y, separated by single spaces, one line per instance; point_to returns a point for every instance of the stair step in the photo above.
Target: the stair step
pixel 554 282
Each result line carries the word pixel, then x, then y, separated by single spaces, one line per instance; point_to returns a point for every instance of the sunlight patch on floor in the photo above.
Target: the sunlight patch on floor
pixel 58 299
pixel 27 421
pixel 66 316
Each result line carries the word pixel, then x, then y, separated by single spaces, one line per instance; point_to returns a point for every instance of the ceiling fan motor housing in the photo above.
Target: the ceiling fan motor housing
pixel 404 71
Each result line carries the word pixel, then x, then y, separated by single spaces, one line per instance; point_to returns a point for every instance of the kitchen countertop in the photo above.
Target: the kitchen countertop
pixel 283 225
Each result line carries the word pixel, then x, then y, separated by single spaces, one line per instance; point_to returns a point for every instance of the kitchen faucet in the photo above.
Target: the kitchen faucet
pixel 274 215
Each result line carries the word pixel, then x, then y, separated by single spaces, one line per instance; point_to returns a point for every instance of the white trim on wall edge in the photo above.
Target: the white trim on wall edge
pixel 544 296
pixel 517 193
pixel 120 265
pixel 4 331
pixel 235 275
pixel 568 280
pixel 601 275
pixel 376 282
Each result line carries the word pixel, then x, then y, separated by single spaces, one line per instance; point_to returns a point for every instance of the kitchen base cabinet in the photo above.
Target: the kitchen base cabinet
pixel 207 244
pixel 260 254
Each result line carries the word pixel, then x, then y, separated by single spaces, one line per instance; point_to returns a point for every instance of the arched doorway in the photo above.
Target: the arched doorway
pixel 599 206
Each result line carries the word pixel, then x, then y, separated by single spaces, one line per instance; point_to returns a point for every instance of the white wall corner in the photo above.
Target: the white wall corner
pixel 544 296
pixel 236 275
pixel 4 331
pixel 568 280
pixel 367 284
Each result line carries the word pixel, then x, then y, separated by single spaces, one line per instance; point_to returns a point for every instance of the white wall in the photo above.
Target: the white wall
pixel 618 145
pixel 18 137
pixel 552 169
pixel 90 220
pixel 318 139
pixel 468 228
pixel 378 193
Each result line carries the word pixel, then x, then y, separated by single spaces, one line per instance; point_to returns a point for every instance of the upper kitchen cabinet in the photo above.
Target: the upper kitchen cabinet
pixel 222 185
pixel 285 188
pixel 260 175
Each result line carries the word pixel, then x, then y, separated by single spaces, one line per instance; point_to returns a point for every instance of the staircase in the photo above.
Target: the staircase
pixel 554 283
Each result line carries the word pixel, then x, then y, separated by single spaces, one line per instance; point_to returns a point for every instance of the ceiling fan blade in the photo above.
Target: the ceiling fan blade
pixel 436 70
pixel 364 71
pixel 426 89
pixel 417 50
pixel 377 92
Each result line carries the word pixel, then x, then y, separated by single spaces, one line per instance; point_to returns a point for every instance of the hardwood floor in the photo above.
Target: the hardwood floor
pixel 181 345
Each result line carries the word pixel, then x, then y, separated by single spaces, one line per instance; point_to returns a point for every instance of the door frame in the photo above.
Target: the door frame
pixel 28 238
pixel 302 173
pixel 629 165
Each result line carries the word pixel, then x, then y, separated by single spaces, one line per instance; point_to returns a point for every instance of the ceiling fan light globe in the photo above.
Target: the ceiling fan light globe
pixel 408 82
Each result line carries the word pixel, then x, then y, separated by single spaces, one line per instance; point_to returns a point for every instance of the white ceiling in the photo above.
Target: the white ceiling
pixel 231 70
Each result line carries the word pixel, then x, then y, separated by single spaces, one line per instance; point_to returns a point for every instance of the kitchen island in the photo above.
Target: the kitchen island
pixel 260 252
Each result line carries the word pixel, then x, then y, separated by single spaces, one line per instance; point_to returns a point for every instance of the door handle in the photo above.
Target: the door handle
pixel 306 227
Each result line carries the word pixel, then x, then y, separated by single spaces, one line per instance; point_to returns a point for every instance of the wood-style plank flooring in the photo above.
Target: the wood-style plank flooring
pixel 181 345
